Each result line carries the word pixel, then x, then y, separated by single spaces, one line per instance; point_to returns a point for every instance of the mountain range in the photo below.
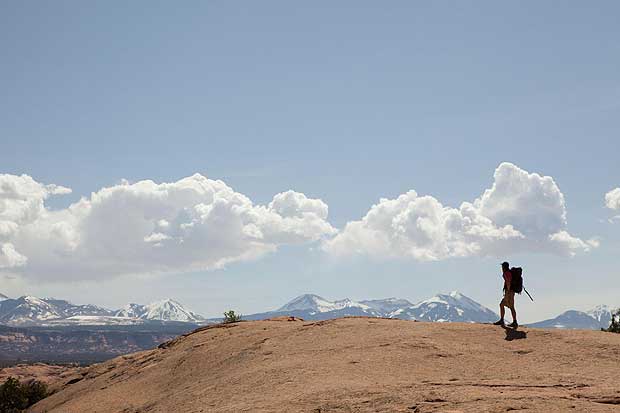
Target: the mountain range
pixel 594 319
pixel 33 311
pixel 454 307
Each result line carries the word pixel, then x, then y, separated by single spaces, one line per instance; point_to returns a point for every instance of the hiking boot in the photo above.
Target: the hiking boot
pixel 499 323
pixel 514 324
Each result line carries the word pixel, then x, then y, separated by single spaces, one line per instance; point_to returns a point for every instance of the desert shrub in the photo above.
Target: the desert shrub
pixel 12 397
pixel 34 391
pixel 614 327
pixel 231 317
pixel 16 396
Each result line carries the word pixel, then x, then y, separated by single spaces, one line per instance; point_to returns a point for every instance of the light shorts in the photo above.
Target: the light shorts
pixel 508 300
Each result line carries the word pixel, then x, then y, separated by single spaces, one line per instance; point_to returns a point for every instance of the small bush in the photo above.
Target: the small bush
pixel 614 327
pixel 231 317
pixel 35 391
pixel 16 396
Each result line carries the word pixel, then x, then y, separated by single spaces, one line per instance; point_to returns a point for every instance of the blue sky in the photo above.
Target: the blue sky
pixel 346 103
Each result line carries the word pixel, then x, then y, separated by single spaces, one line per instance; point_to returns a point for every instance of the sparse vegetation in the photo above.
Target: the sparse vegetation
pixel 16 396
pixel 231 317
pixel 614 327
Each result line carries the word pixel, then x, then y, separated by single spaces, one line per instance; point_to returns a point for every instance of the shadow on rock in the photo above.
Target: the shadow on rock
pixel 513 334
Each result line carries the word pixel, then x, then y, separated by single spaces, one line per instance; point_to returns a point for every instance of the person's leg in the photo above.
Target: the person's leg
pixel 502 313
pixel 510 300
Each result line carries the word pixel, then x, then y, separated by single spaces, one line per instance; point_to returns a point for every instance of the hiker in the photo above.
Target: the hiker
pixel 509 298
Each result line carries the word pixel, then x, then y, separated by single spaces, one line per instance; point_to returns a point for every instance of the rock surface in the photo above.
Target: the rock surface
pixel 356 365
pixel 55 377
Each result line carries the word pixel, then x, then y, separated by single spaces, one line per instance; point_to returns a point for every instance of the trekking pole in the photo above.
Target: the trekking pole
pixel 528 294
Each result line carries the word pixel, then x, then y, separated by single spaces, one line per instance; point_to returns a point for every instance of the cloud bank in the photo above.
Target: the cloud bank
pixel 193 224
pixel 201 224
pixel 521 212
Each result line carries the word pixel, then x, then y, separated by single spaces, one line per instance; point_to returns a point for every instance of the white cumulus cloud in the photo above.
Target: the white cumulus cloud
pixel 612 199
pixel 9 258
pixel 22 198
pixel 193 224
pixel 522 211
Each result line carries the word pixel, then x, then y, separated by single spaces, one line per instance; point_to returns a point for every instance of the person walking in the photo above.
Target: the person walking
pixel 509 298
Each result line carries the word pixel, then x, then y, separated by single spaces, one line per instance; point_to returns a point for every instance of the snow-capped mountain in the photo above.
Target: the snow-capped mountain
pixel 316 304
pixel 314 307
pixel 170 310
pixel 602 314
pixel 33 311
pixel 309 302
pixel 571 319
pixel 454 307
pixel 131 310
pixel 387 305
pixel 3 297
pixel 27 310
pixel 67 309
pixel 594 319
pixel 163 310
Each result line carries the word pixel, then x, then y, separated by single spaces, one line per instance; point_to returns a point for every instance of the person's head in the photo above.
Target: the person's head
pixel 505 266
